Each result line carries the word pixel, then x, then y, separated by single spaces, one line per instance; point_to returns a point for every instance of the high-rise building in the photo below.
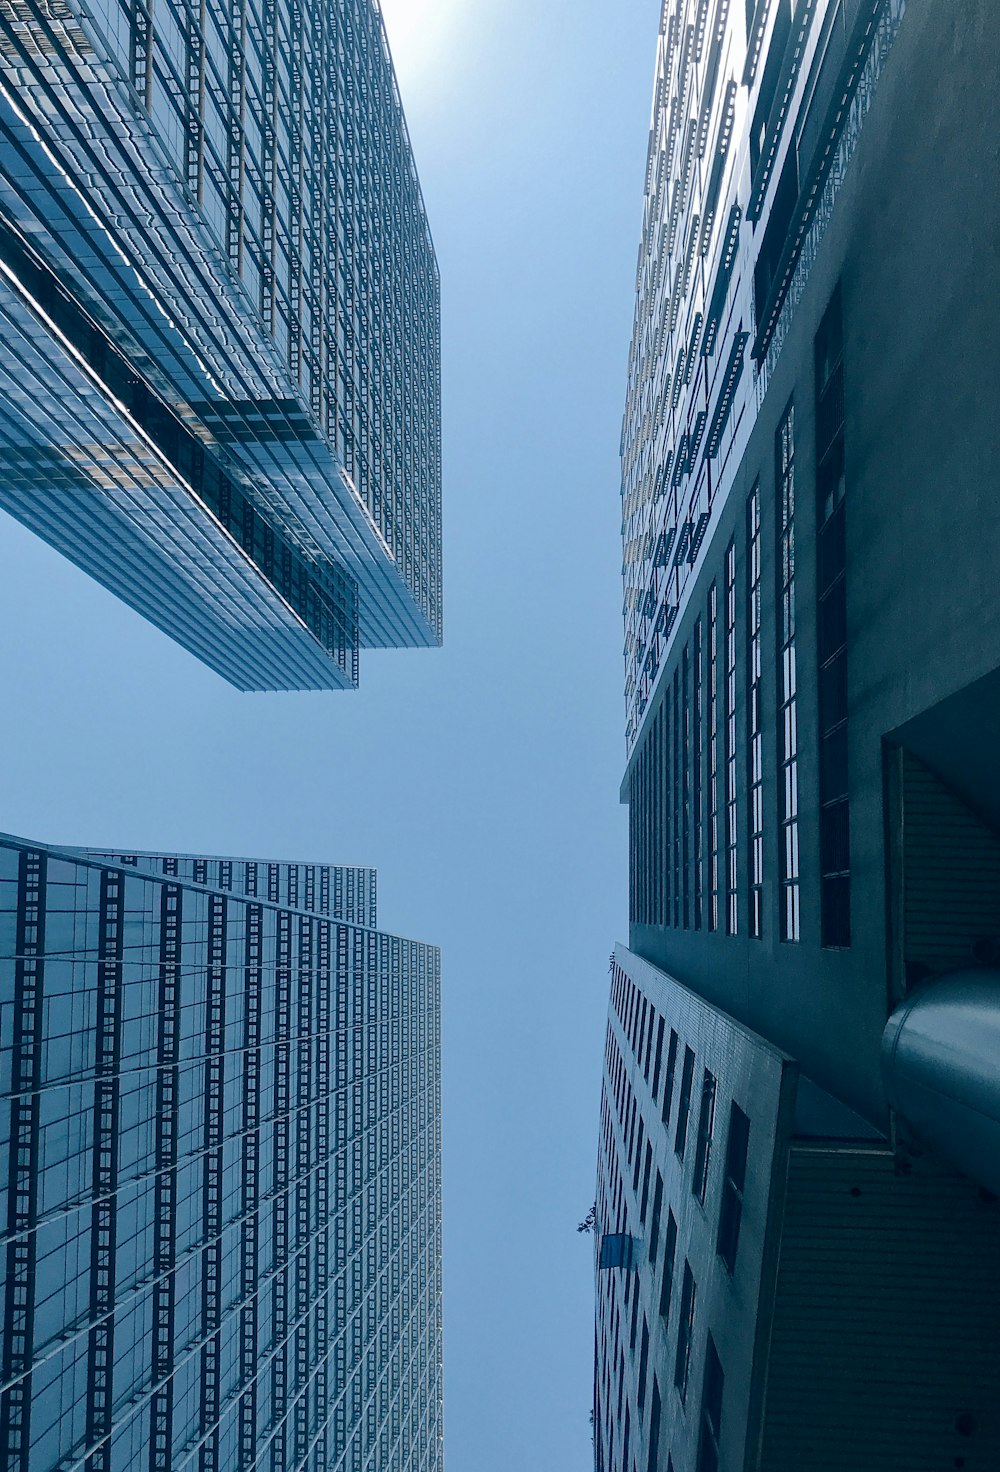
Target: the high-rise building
pixel 219 325
pixel 219 1166
pixel 812 644
pixel 813 640
pixel 773 1290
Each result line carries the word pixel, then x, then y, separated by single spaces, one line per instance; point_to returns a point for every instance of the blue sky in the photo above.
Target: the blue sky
pixel 481 779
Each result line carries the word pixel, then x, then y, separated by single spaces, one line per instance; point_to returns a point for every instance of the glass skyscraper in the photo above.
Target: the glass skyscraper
pixel 219 1166
pixel 219 325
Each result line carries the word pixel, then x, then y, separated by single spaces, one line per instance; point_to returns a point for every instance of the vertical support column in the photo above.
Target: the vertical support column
pixel 22 1201
pixel 194 113
pixel 141 50
pixel 268 166
pixel 294 122
pixel 211 1288
pixel 107 1089
pixel 303 1184
pixel 325 1164
pixel 235 134
pixel 279 1286
pixel 165 1195
pixel 250 1205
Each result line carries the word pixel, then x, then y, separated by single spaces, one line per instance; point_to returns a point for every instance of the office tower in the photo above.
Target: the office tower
pixel 220 1164
pixel 812 647
pixel 771 1291
pixel 219 325
pixel 810 526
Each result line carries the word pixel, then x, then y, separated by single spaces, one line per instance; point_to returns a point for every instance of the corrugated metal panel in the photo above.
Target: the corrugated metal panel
pixel 951 873
pixel 886 1329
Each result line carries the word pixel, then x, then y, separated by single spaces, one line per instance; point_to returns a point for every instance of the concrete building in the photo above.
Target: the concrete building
pixel 220 325
pixel 219 1168
pixel 773 1291
pixel 812 644
pixel 813 637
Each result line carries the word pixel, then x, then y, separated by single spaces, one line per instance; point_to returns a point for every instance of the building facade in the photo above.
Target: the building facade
pixel 773 1291
pixel 220 1168
pixel 219 325
pixel 812 639
pixel 805 1024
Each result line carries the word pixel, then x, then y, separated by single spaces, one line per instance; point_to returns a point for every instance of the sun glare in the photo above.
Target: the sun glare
pixel 418 32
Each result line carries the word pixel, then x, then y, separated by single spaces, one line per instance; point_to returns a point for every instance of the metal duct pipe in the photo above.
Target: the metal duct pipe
pixel 941 1069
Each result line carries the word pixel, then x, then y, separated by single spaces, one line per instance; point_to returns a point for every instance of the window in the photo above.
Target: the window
pixel 697 795
pixel 669 1253
pixel 831 626
pixel 638 1156
pixel 664 840
pixel 668 1082
pixel 706 1124
pixel 684 1104
pixel 713 758
pixel 653 1462
pixel 731 1211
pixel 769 80
pixel 685 794
pixel 654 1226
pixel 643 1364
pixel 788 768
pixel 645 1183
pixel 755 739
pixel 649 1044
pixel 685 1330
pixel 732 918
pixel 711 1410
pixel 677 799
pixel 658 1060
pixel 775 238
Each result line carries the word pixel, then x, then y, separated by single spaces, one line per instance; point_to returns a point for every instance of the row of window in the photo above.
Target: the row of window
pixel 679 814
pixel 657 1052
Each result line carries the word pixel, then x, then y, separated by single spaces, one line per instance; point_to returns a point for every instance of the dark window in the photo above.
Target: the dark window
pixel 685 1330
pixel 668 1082
pixel 711 1410
pixel 755 738
pixel 831 635
pixel 697 795
pixel 706 1124
pixel 685 801
pixel 652 1464
pixel 659 1057
pixel 649 1044
pixel 645 1183
pixel 713 758
pixel 732 913
pixel 684 1103
pixel 772 246
pixel 731 1211
pixel 654 1226
pixel 677 799
pixel 634 1321
pixel 669 1253
pixel 643 1364
pixel 638 1156
pixel 788 768
pixel 773 67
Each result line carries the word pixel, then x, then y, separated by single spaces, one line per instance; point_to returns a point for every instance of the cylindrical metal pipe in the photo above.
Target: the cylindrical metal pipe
pixel 941 1069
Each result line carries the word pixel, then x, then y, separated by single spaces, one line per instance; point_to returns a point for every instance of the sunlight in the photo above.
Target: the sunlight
pixel 419 33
